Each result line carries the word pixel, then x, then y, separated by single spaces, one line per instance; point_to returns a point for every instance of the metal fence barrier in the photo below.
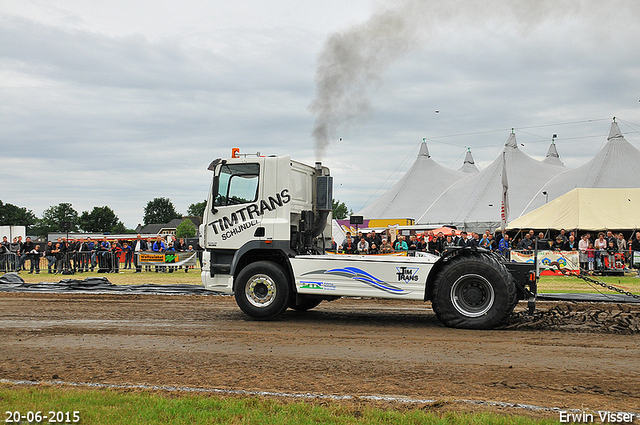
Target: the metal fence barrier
pixel 100 261
pixel 9 262
pixel 12 262
pixel 112 262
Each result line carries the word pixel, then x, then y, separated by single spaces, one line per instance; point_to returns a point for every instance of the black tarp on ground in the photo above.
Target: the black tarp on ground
pixel 12 282
pixel 595 298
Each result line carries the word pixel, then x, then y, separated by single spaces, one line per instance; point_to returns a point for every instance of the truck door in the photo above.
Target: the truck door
pixel 233 214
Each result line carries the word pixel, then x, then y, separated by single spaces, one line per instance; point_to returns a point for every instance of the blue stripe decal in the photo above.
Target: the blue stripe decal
pixel 365 277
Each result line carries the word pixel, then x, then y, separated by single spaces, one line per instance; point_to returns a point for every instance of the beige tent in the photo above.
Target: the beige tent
pixel 587 209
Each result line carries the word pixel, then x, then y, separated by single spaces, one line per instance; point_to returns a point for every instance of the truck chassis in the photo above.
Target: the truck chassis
pixel 265 230
pixel 469 288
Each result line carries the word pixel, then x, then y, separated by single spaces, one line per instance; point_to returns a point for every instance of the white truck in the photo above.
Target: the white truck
pixel 266 229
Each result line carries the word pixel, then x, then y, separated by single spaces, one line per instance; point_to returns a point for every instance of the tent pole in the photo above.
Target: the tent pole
pixel 535 257
pixel 517 233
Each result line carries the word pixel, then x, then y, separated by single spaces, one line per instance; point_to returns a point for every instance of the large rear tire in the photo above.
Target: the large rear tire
pixel 473 292
pixel 514 301
pixel 262 290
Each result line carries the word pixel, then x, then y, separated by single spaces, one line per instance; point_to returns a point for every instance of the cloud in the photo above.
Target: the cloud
pixel 109 105
pixel 353 62
pixel 96 118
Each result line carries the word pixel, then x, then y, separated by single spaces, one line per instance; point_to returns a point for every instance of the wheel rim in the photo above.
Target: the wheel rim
pixel 260 290
pixel 472 295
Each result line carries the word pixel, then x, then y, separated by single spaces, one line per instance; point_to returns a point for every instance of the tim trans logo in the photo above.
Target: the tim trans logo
pixel 247 216
pixel 407 274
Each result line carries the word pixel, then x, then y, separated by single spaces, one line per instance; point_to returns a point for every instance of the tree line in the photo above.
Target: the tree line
pixel 98 220
pixel 104 219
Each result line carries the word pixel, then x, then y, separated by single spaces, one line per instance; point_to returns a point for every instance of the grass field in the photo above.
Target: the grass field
pixel 553 284
pixel 105 406
pixel 124 277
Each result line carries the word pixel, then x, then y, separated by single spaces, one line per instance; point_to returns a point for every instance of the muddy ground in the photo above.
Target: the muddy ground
pixel 349 346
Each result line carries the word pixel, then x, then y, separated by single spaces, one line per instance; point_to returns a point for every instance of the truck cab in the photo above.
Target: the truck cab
pixel 262 208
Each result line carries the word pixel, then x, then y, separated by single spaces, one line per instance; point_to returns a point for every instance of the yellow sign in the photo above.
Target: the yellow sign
pixel 386 222
pixel 169 257
pixel 152 258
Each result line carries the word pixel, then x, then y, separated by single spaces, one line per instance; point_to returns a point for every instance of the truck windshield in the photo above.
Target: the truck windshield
pixel 238 184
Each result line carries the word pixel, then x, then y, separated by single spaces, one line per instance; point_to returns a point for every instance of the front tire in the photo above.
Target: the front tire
pixel 473 292
pixel 262 290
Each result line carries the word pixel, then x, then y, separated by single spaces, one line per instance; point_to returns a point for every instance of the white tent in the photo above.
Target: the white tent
pixel 413 193
pixel 469 165
pixel 474 202
pixel 553 157
pixel 617 165
pixel 336 232
pixel 586 209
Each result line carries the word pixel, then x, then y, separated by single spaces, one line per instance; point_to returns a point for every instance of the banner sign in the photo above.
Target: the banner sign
pixel 172 257
pixel 551 262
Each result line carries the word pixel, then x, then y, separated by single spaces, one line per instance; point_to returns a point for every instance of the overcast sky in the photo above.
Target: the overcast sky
pixel 116 103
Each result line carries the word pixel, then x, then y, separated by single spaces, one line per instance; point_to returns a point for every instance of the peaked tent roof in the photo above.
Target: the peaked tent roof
pixel 469 165
pixel 587 209
pixel 553 157
pixel 474 202
pixel 615 166
pixel 413 193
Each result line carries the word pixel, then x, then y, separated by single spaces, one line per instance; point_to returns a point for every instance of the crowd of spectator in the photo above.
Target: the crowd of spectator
pixel 596 252
pixel 13 255
pixel 85 254
pixel 374 243
pixel 434 243
pixel 604 251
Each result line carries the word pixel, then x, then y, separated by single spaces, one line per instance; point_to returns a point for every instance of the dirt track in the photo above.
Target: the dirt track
pixel 357 347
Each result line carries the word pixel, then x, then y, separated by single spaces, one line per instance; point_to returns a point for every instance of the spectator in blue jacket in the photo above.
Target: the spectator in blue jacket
pixel 504 247
pixel 158 246
pixel 105 245
pixel 401 245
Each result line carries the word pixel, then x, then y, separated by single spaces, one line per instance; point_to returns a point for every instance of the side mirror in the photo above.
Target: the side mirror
pixel 214 164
